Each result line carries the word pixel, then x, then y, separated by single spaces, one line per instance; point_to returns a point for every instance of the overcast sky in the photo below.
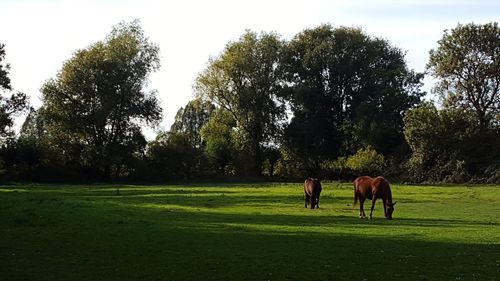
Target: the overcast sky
pixel 41 35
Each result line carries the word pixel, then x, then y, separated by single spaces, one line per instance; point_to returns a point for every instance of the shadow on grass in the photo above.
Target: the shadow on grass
pixel 151 245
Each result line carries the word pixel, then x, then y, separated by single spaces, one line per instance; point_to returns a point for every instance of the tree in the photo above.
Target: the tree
pixel 97 103
pixel 179 153
pixel 348 91
pixel 32 137
pixel 366 161
pixel 246 80
pixel 4 70
pixel 438 140
pixel 174 156
pixel 190 119
pixel 11 106
pixel 444 144
pixel 467 65
pixel 217 133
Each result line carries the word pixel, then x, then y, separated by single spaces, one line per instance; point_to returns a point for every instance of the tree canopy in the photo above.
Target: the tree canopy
pixel 97 103
pixel 331 102
pixel 467 66
pixel 9 106
pixel 4 70
pixel 349 90
pixel 246 80
pixel 190 119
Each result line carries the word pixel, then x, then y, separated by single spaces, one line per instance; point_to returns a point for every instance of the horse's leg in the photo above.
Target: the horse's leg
pixel 385 207
pixel 374 199
pixel 361 209
pixel 306 199
pixel 317 202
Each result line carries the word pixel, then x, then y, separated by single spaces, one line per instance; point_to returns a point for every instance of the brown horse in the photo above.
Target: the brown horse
pixel 312 190
pixel 373 188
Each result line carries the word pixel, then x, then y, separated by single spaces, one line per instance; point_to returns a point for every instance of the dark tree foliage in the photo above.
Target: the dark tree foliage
pixel 33 126
pixel 95 107
pixel 348 90
pixel 179 153
pixel 444 145
pixel 4 70
pixel 22 155
pixel 9 106
pixel 218 136
pixel 172 156
pixel 11 153
pixel 190 119
pixel 16 104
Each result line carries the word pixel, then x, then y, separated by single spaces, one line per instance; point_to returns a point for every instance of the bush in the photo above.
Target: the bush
pixel 493 174
pixel 366 161
pixel 336 169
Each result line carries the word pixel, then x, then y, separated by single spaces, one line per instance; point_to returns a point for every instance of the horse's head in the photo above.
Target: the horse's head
pixel 390 210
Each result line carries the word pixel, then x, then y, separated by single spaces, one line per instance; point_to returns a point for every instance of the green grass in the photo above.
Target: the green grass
pixel 245 232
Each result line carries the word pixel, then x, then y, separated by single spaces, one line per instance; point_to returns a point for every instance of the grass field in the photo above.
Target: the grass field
pixel 245 232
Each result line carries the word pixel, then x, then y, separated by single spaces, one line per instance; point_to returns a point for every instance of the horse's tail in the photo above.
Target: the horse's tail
pixel 355 194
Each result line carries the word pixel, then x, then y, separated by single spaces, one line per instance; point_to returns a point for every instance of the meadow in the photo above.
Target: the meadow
pixel 255 231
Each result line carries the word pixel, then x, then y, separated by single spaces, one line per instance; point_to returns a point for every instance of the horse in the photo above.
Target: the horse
pixel 373 188
pixel 312 190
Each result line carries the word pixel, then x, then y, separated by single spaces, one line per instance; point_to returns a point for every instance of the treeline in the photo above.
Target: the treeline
pixel 331 102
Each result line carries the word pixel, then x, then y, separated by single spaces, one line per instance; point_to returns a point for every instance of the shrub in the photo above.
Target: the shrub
pixel 336 169
pixel 366 161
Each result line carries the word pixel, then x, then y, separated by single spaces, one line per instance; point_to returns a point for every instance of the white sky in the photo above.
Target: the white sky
pixel 41 35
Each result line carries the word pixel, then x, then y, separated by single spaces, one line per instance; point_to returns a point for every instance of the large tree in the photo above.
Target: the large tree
pixel 190 119
pixel 16 103
pixel 246 80
pixel 445 146
pixel 467 66
pixel 174 156
pixel 217 135
pixel 97 103
pixel 349 90
pixel 180 152
pixel 437 138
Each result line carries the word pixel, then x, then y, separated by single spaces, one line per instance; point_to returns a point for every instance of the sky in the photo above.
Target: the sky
pixel 41 35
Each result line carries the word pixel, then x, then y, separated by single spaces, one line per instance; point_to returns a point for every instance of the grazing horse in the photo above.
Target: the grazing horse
pixel 373 188
pixel 312 190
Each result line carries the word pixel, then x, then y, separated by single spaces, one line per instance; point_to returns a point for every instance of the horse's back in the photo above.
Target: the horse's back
pixel 312 185
pixel 363 183
pixel 381 183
